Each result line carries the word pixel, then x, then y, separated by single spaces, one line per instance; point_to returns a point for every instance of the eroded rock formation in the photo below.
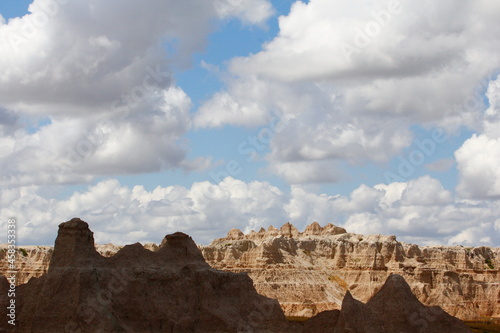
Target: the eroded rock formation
pixel 311 271
pixel 170 290
pixel 393 309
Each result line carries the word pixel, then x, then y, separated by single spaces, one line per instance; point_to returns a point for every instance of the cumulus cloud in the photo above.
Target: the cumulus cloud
pixel 478 162
pixel 419 211
pixel 122 215
pixel 69 150
pixel 99 78
pixel 356 76
pixel 478 159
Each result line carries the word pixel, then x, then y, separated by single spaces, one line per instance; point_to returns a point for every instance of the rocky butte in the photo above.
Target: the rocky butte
pixel 172 289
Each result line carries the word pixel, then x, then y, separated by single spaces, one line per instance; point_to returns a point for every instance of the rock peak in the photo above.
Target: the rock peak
pixel 313 229
pixel 180 247
pixel 235 234
pixel 393 309
pixel 288 230
pixel 74 245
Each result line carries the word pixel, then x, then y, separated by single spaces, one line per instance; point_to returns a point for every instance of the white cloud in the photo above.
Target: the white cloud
pixel 418 211
pixel 441 165
pixel 420 63
pixel 478 159
pixel 99 78
pixel 307 172
pixel 119 214
pixel 478 162
pixel 145 139
pixel 248 11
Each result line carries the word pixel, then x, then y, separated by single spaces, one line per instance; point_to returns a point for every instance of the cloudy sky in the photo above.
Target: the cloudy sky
pixel 148 117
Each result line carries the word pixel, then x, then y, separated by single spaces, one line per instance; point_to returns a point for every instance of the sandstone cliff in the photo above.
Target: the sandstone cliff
pixel 393 309
pixel 311 271
pixel 170 290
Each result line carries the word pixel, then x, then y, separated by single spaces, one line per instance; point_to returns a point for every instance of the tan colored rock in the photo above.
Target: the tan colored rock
pixel 235 234
pixel 392 309
pixel 288 230
pixel 313 229
pixel 312 271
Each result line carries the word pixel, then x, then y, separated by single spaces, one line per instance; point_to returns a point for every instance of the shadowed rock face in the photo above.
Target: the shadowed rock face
pixel 393 309
pixel 137 290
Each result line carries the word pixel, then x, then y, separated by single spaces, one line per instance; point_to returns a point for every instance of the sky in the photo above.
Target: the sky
pixel 144 118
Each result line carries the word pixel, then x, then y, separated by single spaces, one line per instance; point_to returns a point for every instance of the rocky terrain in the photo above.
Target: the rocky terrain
pixel 170 288
pixel 311 271
pixel 393 309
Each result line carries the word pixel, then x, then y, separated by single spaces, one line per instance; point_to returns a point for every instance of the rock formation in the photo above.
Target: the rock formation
pixel 138 290
pixel 393 309
pixel 311 271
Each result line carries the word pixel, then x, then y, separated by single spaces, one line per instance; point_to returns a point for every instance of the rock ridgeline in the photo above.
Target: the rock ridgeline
pixel 311 271
pixel 173 289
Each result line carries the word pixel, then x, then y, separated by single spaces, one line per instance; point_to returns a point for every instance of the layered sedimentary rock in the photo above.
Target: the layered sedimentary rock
pixel 311 271
pixel 393 309
pixel 137 290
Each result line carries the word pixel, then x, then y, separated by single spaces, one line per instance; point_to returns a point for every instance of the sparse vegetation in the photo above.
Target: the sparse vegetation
pixel 489 263
pixel 360 239
pixel 307 253
pixel 23 251
pixel 228 244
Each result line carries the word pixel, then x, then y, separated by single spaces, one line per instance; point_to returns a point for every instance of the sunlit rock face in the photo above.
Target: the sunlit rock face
pixel 311 271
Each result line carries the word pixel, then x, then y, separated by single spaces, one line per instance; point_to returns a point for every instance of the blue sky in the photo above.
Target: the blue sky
pixel 379 117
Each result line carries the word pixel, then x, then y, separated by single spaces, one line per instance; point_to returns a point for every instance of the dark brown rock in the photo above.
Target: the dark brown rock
pixel 137 290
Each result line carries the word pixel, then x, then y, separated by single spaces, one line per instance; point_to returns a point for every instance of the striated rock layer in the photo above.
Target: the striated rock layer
pixel 311 271
pixel 393 309
pixel 170 290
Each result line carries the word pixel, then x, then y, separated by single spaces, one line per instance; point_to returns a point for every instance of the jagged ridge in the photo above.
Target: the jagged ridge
pixel 137 290
pixel 310 271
